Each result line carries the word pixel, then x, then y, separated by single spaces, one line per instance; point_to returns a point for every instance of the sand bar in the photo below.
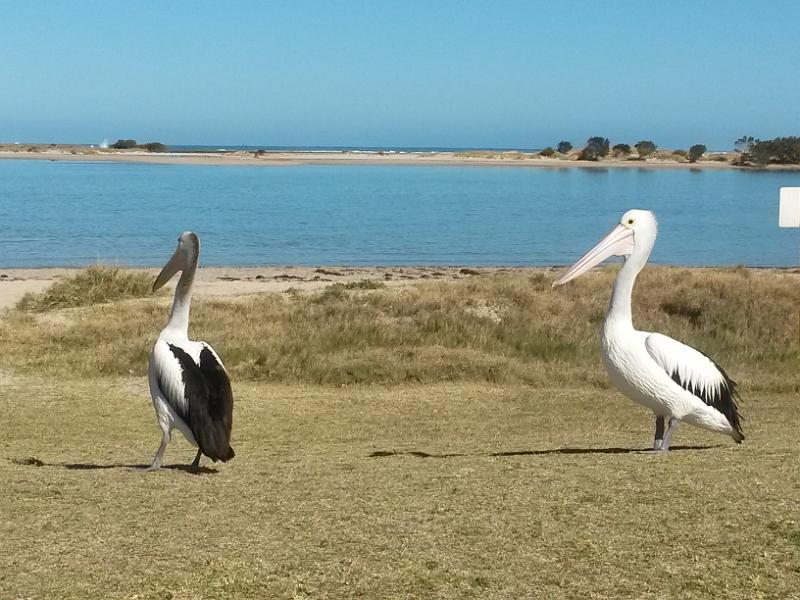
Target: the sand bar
pixel 270 158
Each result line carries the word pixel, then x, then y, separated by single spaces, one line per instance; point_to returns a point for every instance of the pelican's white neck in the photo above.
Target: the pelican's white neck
pixel 619 309
pixel 179 315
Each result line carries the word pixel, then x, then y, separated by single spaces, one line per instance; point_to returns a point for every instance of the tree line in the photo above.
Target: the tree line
pixel 599 147
pixel 750 151
pixel 777 151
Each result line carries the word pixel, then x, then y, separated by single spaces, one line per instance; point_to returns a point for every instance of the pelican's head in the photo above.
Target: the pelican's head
pixel 185 257
pixel 636 232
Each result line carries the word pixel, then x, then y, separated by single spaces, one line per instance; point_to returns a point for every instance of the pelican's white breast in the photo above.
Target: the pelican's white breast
pixel 634 372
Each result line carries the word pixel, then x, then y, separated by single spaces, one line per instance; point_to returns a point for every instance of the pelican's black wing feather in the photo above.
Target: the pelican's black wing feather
pixel 209 402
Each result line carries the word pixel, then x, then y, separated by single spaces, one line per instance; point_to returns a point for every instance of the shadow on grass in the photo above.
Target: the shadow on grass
pixel 597 451
pixel 35 462
pixel 419 454
pixel 416 453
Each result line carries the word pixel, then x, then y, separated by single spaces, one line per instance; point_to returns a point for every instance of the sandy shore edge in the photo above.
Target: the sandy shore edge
pixel 477 158
pixel 233 282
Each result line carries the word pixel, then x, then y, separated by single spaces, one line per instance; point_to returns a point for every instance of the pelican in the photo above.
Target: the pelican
pixel 188 384
pixel 672 379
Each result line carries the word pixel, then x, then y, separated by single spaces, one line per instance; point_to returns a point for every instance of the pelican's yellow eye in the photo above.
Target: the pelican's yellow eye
pixel 630 221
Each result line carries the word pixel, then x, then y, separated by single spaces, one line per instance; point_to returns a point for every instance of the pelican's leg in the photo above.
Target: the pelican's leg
pixel 673 425
pixel 196 461
pixel 156 464
pixel 658 442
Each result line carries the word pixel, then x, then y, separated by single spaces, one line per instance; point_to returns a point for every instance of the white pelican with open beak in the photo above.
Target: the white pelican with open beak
pixel 672 379
pixel 189 385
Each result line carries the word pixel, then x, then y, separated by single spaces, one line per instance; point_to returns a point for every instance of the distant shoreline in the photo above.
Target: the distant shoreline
pixel 486 158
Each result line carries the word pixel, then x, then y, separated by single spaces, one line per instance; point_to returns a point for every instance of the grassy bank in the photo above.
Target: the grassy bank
pixel 508 328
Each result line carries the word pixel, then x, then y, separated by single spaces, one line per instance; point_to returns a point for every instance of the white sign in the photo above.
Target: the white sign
pixel 789 215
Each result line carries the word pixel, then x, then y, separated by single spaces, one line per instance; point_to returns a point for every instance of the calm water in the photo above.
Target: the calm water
pixel 59 213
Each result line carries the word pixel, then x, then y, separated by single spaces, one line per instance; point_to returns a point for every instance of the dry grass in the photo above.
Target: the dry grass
pixel 510 328
pixel 94 285
pixel 439 491
pixel 492 461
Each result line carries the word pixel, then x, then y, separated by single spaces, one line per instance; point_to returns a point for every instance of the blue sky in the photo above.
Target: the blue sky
pixel 411 73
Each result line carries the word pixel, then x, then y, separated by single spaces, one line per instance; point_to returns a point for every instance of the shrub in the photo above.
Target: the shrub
pixel 154 147
pixel 783 151
pixel 361 284
pixel 743 146
pixel 564 147
pixel 645 148
pixel 124 144
pixel 681 153
pixel 696 152
pixel 94 285
pixel 259 153
pixel 596 148
pixel 744 143
pixel 547 152
pixel 621 149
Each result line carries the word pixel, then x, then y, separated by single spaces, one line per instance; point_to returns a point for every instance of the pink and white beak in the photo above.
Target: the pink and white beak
pixel 617 243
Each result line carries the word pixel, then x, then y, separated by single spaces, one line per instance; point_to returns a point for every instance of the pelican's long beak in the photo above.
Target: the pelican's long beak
pixel 617 243
pixel 173 266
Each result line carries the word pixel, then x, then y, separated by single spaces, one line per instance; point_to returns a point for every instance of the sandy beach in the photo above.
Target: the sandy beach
pixel 662 159
pixel 242 282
